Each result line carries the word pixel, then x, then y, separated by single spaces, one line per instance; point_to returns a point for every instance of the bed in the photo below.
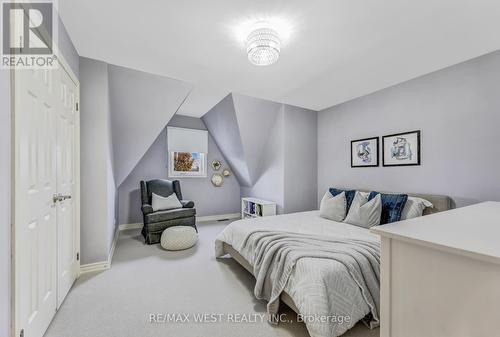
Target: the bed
pixel 315 285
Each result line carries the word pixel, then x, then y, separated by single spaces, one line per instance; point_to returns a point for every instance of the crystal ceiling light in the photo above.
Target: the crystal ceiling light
pixel 263 45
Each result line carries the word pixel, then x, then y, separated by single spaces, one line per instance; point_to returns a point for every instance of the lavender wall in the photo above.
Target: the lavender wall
pixel 300 148
pixel 68 49
pixel 98 186
pixel 223 126
pixel 5 154
pixel 273 147
pixel 141 105
pixel 458 111
pixel 153 165
pixel 242 126
pixel 122 112
pixel 270 185
pixel 288 174
pixel 255 118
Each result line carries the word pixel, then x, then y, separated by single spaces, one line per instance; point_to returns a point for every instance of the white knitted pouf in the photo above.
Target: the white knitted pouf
pixel 178 238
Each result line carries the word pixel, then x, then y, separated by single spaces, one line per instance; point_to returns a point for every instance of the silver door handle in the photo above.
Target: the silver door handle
pixel 59 197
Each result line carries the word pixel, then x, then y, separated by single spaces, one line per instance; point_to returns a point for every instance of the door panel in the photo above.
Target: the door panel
pixel 45 230
pixel 34 216
pixel 66 218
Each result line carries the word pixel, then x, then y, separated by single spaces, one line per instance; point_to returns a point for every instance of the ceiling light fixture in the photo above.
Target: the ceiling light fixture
pixel 263 44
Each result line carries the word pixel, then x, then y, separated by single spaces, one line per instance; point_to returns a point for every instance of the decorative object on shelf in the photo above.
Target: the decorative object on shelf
pixel 263 44
pixel 364 152
pixel 401 149
pixel 216 164
pixel 217 179
pixel 226 172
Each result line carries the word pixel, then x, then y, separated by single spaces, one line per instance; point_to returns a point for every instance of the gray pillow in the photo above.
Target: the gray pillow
pixel 333 207
pixel 364 213
pixel 414 208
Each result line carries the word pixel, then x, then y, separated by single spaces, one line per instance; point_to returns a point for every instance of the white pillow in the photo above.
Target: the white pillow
pixel 365 213
pixel 333 207
pixel 365 194
pixel 160 203
pixel 414 207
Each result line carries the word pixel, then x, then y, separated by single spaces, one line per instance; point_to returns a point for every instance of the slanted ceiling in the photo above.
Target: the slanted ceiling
pixel 255 119
pixel 223 125
pixel 141 106
pixel 241 126
pixel 271 147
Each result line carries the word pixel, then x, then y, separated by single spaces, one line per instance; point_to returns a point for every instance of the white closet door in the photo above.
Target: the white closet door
pixel 46 238
pixel 66 185
pixel 35 212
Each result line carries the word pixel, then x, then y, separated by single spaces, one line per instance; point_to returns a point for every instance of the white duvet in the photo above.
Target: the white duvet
pixel 314 284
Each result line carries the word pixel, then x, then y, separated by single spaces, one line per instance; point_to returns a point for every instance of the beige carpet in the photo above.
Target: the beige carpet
pixel 146 280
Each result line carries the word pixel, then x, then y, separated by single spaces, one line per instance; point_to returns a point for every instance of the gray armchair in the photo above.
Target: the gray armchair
pixel 156 222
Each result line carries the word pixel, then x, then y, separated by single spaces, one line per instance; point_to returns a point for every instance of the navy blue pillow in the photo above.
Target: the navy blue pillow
pixel 392 206
pixel 349 195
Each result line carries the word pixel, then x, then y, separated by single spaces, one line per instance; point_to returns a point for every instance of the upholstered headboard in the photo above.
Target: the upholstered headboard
pixel 441 202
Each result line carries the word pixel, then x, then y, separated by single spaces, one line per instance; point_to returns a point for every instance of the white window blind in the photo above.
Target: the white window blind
pixel 187 140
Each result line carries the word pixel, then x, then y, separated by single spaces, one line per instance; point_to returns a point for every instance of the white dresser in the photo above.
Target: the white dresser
pixel 440 274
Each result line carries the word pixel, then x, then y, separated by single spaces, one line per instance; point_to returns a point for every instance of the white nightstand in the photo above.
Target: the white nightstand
pixel 256 208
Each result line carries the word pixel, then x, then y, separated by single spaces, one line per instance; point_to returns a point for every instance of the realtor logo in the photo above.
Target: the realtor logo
pixel 28 32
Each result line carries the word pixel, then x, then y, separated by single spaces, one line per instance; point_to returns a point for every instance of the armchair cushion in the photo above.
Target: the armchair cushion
pixel 170 214
pixel 146 209
pixel 187 203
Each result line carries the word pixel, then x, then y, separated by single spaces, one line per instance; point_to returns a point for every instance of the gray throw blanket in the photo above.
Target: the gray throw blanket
pixel 275 255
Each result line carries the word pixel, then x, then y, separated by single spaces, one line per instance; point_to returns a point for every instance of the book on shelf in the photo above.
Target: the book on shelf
pixel 258 210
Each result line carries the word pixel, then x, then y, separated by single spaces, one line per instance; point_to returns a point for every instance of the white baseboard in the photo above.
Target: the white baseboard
pixel 103 265
pixel 126 226
pixel 218 217
pixel 92 267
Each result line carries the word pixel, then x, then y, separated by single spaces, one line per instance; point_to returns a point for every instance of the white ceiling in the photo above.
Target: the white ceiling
pixel 336 50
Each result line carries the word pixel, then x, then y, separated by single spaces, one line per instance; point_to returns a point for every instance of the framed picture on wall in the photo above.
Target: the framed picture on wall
pixel 401 149
pixel 187 164
pixel 364 152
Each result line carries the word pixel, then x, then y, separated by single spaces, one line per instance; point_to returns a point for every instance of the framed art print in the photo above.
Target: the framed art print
pixel 187 164
pixel 364 152
pixel 401 149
